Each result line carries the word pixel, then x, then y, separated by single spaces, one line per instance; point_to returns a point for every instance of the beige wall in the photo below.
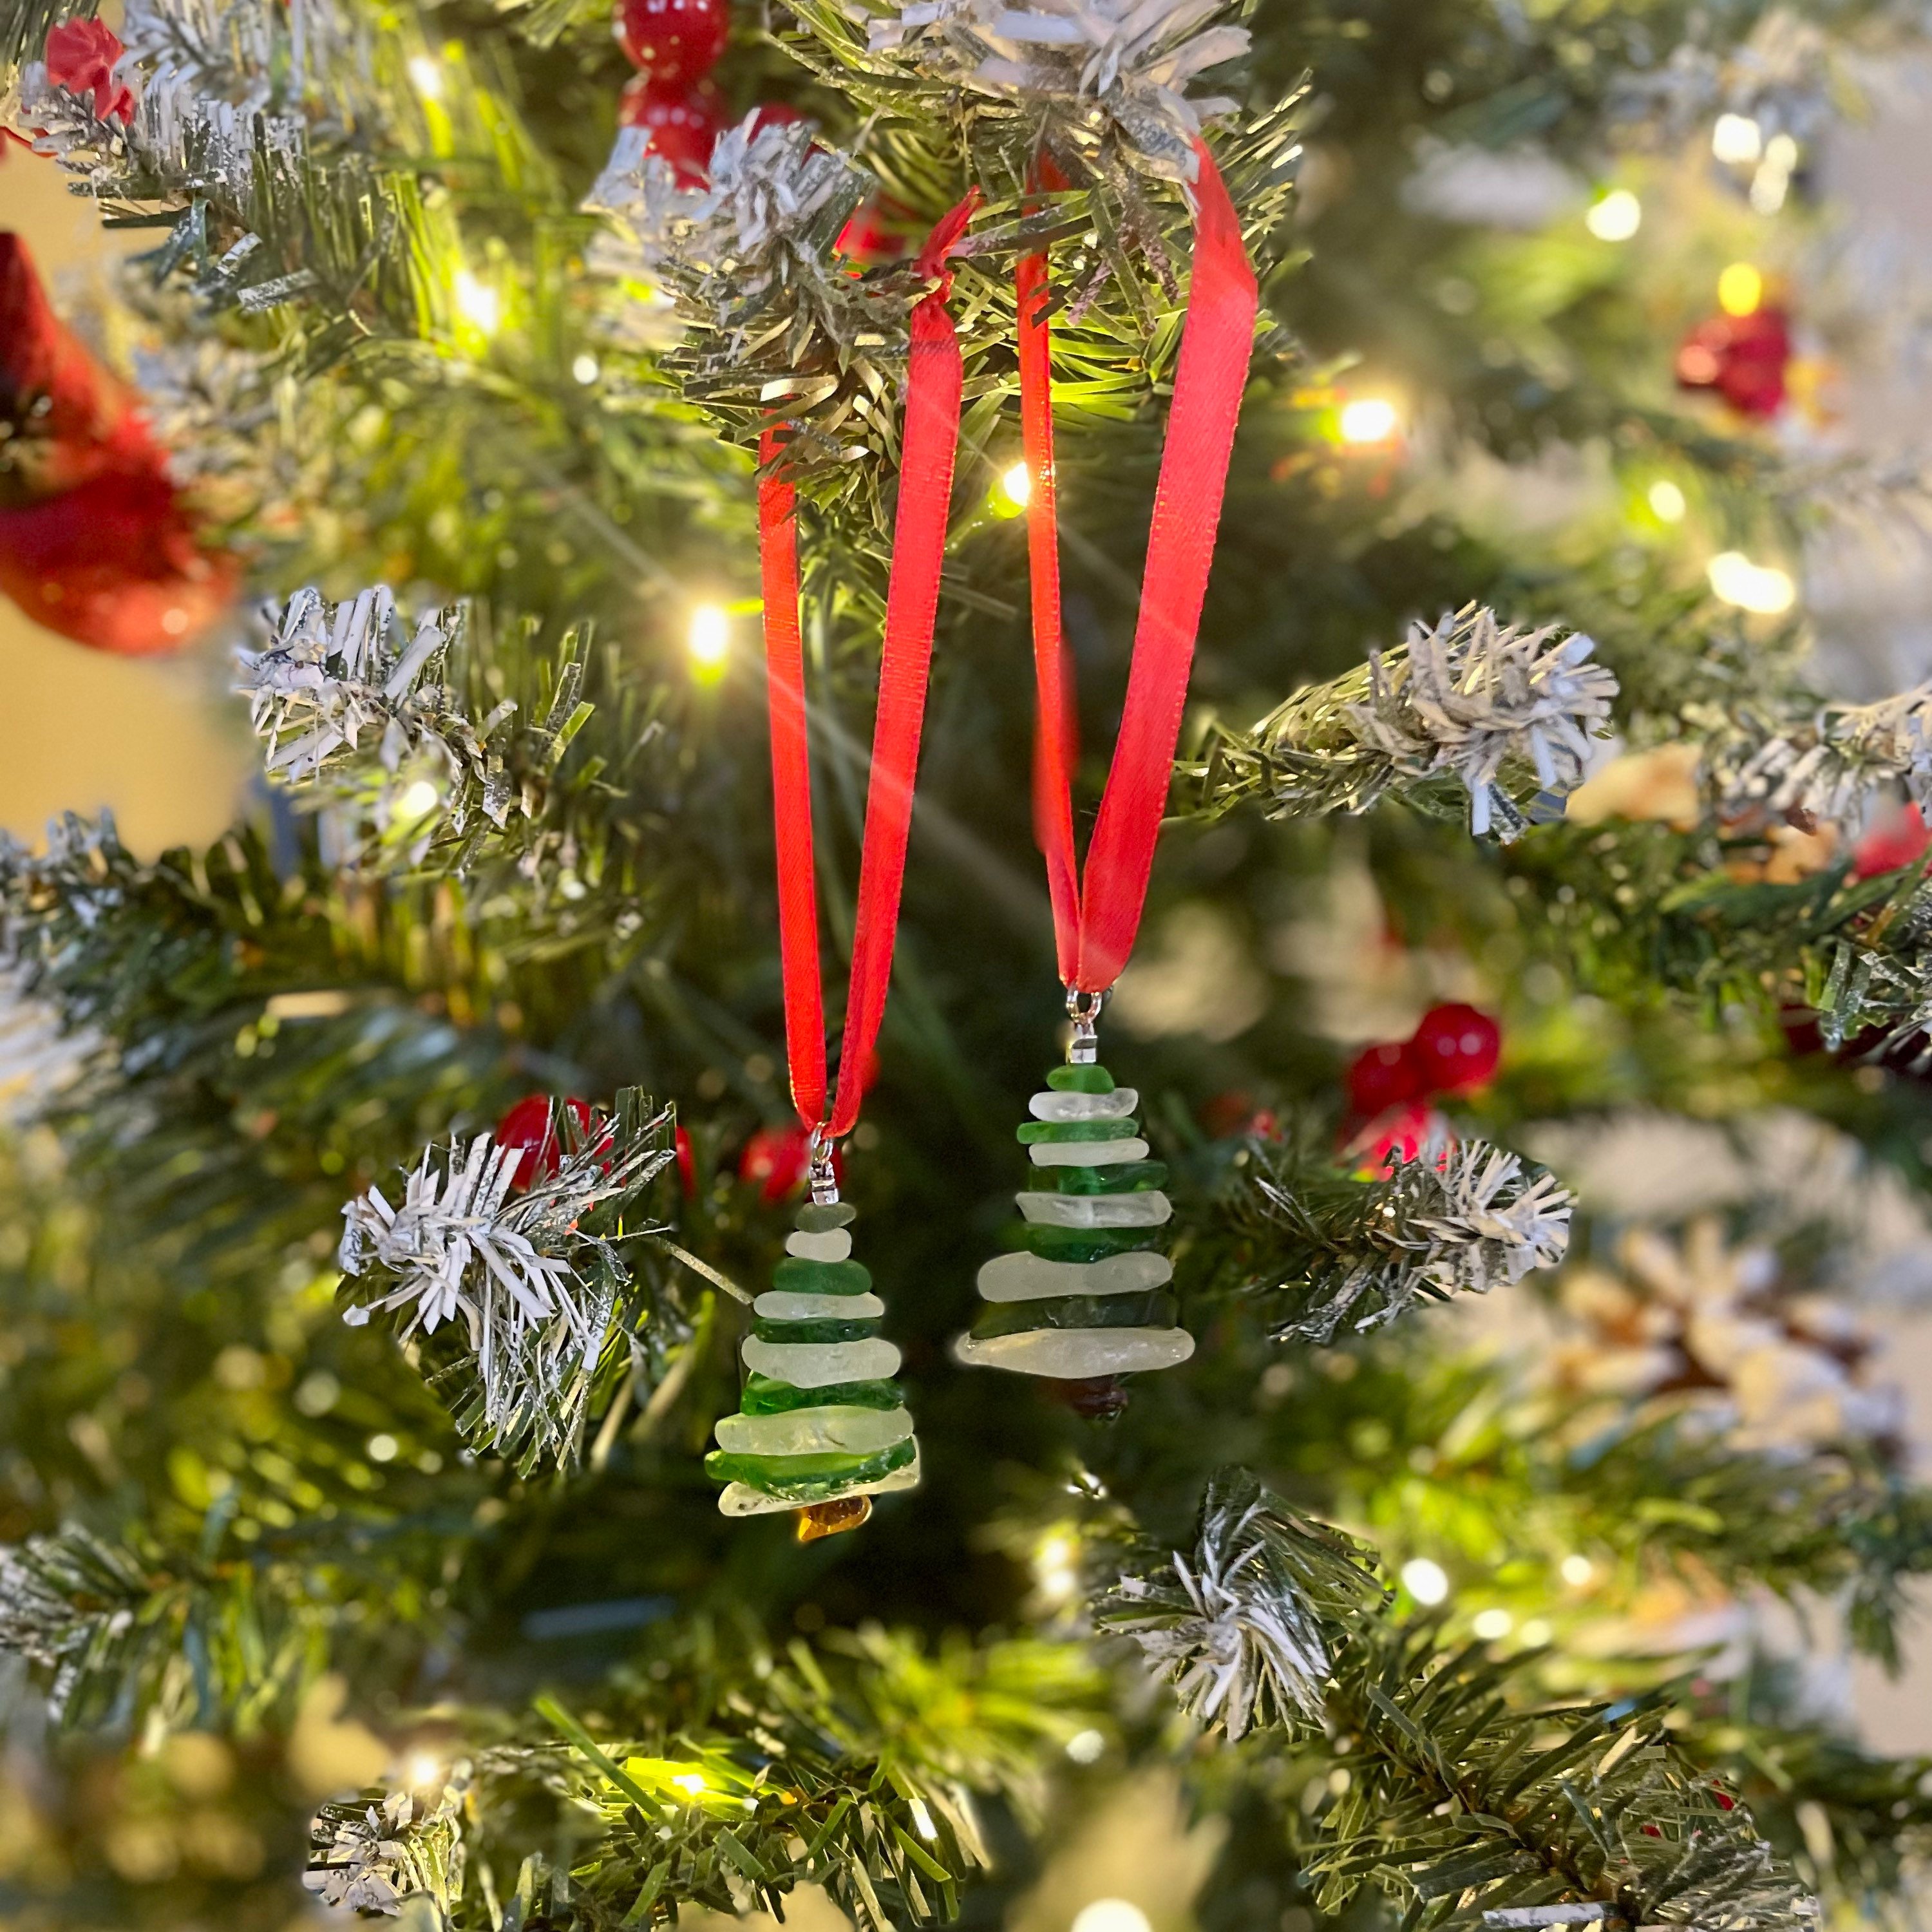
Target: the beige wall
pixel 156 740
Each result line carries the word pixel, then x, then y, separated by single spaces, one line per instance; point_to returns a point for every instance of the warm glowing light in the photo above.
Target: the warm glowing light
pixel 1427 1582
pixel 709 640
pixel 585 370
pixel 478 303
pixel 1737 140
pixel 1774 175
pixel 426 77
pixel 417 801
pixel 1577 1570
pixel 1368 419
pixel 383 1448
pixel 1111 1915
pixel 1490 1624
pixel 1616 216
pixel 1667 501
pixel 1536 1633
pixel 691 1782
pixel 422 1769
pixel 1056 1568
pixel 1740 289
pixel 1016 485
pixel 1761 587
pixel 1086 1746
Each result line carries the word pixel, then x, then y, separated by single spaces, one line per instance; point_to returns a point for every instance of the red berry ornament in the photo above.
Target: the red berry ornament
pixel 117 563
pixel 777 1161
pixel 80 57
pixel 1742 357
pixel 682 123
pixel 1454 1049
pixel 687 1162
pixel 1382 1077
pixel 674 41
pixel 529 1125
pixel 877 234
pixel 1896 840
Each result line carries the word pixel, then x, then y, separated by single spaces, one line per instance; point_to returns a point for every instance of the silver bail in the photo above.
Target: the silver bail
pixel 818 1160
pixel 1084 1009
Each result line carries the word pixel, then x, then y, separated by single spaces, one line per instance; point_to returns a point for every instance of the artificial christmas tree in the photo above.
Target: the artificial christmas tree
pixel 358 1396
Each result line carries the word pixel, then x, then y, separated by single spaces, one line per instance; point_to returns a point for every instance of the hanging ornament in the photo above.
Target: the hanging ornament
pixel 1392 1085
pixel 822 1428
pixel 1084 1300
pixel 1744 358
pixel 682 123
pixel 674 42
pixel 1455 1049
pixel 117 563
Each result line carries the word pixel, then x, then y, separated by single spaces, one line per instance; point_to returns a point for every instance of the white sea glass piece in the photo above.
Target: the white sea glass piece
pixel 782 1304
pixel 834 1246
pixel 1055 1106
pixel 1086 1153
pixel 1146 1208
pixel 1025 1277
pixel 1072 1355
pixel 840 1426
pixel 815 1364
pixel 741 1499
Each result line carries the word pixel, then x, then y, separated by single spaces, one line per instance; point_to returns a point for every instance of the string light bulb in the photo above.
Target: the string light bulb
pixel 1761 588
pixel 1667 501
pixel 1367 419
pixel 1740 289
pixel 1737 140
pixel 1426 1582
pixel 1016 485
pixel 478 303
pixel 1490 1624
pixel 421 1770
pixel 1615 217
pixel 1111 1915
pixel 426 77
pixel 1577 1570
pixel 417 800
pixel 709 641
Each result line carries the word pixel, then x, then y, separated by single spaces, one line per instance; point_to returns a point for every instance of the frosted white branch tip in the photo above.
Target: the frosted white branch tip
pixel 1096 67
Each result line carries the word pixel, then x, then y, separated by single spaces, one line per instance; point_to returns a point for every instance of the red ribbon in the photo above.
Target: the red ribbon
pixel 934 382
pixel 1096 917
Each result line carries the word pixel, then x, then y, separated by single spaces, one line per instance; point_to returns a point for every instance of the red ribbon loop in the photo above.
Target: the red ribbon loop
pixel 935 379
pixel 1095 916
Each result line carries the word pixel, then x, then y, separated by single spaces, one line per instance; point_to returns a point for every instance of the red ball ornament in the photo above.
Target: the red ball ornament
pixel 683 123
pixel 116 562
pixel 1400 1133
pixel 687 1162
pixel 1381 1077
pixel 777 1161
pixel 1454 1049
pixel 529 1125
pixel 672 41
pixel 1743 358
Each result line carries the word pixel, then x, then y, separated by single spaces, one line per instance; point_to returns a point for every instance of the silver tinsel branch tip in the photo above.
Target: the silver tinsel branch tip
pixel 1472 1215
pixel 1507 714
pixel 774 193
pixel 333 679
pixel 536 1292
pixel 1827 767
pixel 370 1855
pixel 1247 1627
pixel 1096 67
pixel 1471 695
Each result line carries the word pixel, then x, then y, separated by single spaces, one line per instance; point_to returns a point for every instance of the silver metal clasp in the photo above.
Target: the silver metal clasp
pixel 1084 1009
pixel 824 1178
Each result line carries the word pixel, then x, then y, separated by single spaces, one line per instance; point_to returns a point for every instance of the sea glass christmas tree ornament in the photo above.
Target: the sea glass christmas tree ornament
pixel 1084 1298
pixel 822 1428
